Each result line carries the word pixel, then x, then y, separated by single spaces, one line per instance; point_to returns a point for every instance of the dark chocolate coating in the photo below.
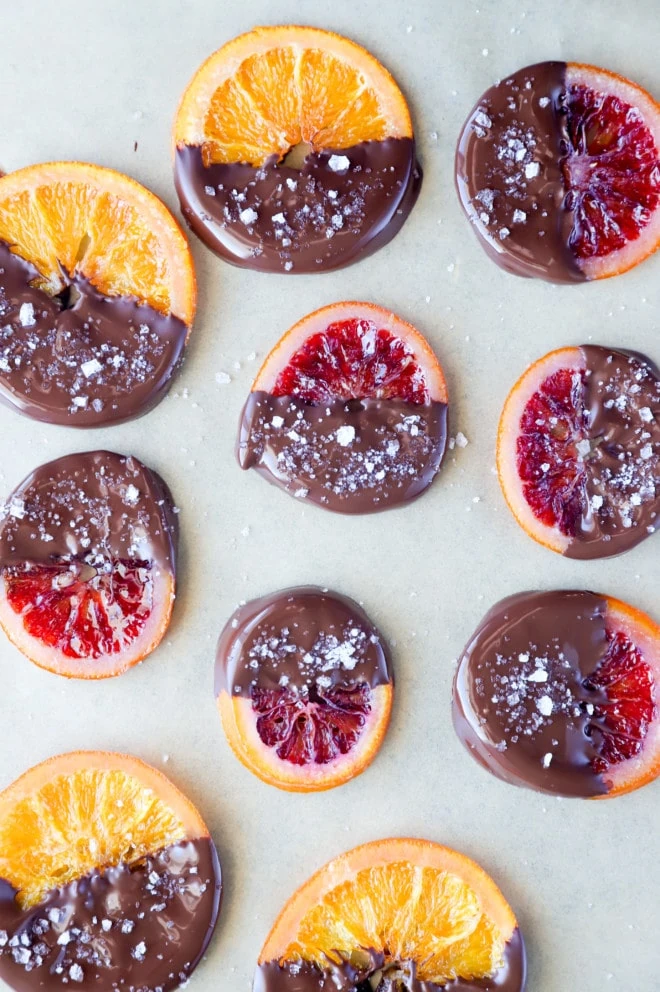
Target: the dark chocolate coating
pixel 519 211
pixel 392 455
pixel 311 219
pixel 622 412
pixel 331 636
pixel 143 928
pixel 520 693
pixel 89 506
pixel 97 360
pixel 303 977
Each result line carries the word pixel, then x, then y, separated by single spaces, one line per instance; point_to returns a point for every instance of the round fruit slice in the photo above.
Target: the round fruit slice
pixel 304 688
pixel 349 411
pixel 558 691
pixel 108 877
pixel 407 913
pixel 558 169
pixel 578 450
pixel 294 151
pixel 87 564
pixel 97 294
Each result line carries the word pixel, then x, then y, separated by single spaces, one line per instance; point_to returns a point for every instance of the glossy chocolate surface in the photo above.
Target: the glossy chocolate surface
pixel 622 470
pixel 91 507
pixel 143 928
pixel 509 174
pixel 81 359
pixel 303 637
pixel 339 206
pixel 303 977
pixel 522 704
pixel 359 456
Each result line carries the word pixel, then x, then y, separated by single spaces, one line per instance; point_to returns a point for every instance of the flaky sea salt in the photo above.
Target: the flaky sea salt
pixel 339 163
pixel 532 170
pixel 76 974
pixel 460 440
pixel 545 705
pixel 26 315
pixel 222 378
pixel 345 435
pixel 547 758
pixel 131 495
pixel 92 367
pixel 248 216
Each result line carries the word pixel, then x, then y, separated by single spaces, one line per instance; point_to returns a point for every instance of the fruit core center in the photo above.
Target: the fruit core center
pixel 297 154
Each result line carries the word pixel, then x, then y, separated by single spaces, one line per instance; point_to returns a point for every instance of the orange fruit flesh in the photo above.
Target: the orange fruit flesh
pixel 275 88
pixel 79 812
pixel 411 900
pixel 68 219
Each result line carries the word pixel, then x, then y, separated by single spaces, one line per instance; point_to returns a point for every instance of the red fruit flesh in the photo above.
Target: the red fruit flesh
pixel 551 471
pixel 353 359
pixel 80 610
pixel 624 721
pixel 315 727
pixel 611 172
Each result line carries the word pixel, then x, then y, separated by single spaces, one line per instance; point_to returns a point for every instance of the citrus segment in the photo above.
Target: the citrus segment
pixel 557 691
pixel 83 810
pixel 579 448
pixel 398 903
pixel 294 151
pixel 348 410
pixel 304 688
pixel 558 168
pixel 78 596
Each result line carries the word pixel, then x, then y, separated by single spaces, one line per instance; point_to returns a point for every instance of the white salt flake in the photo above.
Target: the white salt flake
pixel 92 367
pixel 277 421
pixel 17 508
pixel 106 925
pixel 460 440
pixel 583 447
pixel 646 414
pixel 547 758
pixel 545 705
pixel 646 452
pixel 279 218
pixel 544 101
pixel 519 217
pixel 26 315
pixel 248 216
pixel 209 190
pixel 596 502
pixel 532 170
pixel 139 951
pixel 345 435
pixel 132 495
pixel 222 378
pixel 539 675
pixel 339 163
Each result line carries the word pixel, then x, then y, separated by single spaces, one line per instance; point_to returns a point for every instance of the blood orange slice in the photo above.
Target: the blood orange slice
pixel 97 294
pixel 108 877
pixel 87 564
pixel 348 411
pixel 405 913
pixel 304 688
pixel 558 691
pixel 294 151
pixel 578 450
pixel 558 168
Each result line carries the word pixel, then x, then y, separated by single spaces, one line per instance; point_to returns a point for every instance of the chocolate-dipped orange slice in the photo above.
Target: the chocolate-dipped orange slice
pixel 304 686
pixel 578 450
pixel 108 877
pixel 408 914
pixel 97 294
pixel 558 169
pixel 294 151
pixel 558 691
pixel 88 564
pixel 349 411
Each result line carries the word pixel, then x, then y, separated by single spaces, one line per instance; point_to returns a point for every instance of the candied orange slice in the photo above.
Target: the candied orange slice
pixel 277 87
pixel 86 810
pixel 69 218
pixel 406 902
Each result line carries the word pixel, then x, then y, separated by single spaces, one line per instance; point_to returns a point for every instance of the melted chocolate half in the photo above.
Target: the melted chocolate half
pixel 523 701
pixel 339 206
pixel 303 977
pixel 308 638
pixel 356 456
pixel 143 927
pixel 509 174
pixel 622 489
pixel 81 359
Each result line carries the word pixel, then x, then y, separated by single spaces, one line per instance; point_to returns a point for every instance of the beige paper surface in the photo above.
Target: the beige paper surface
pixel 87 81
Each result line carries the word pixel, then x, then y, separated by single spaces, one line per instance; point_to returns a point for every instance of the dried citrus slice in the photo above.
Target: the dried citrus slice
pixel 108 877
pixel 304 688
pixel 88 564
pixel 399 909
pixel 558 169
pixel 294 151
pixel 558 691
pixel 348 411
pixel 578 450
pixel 97 294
